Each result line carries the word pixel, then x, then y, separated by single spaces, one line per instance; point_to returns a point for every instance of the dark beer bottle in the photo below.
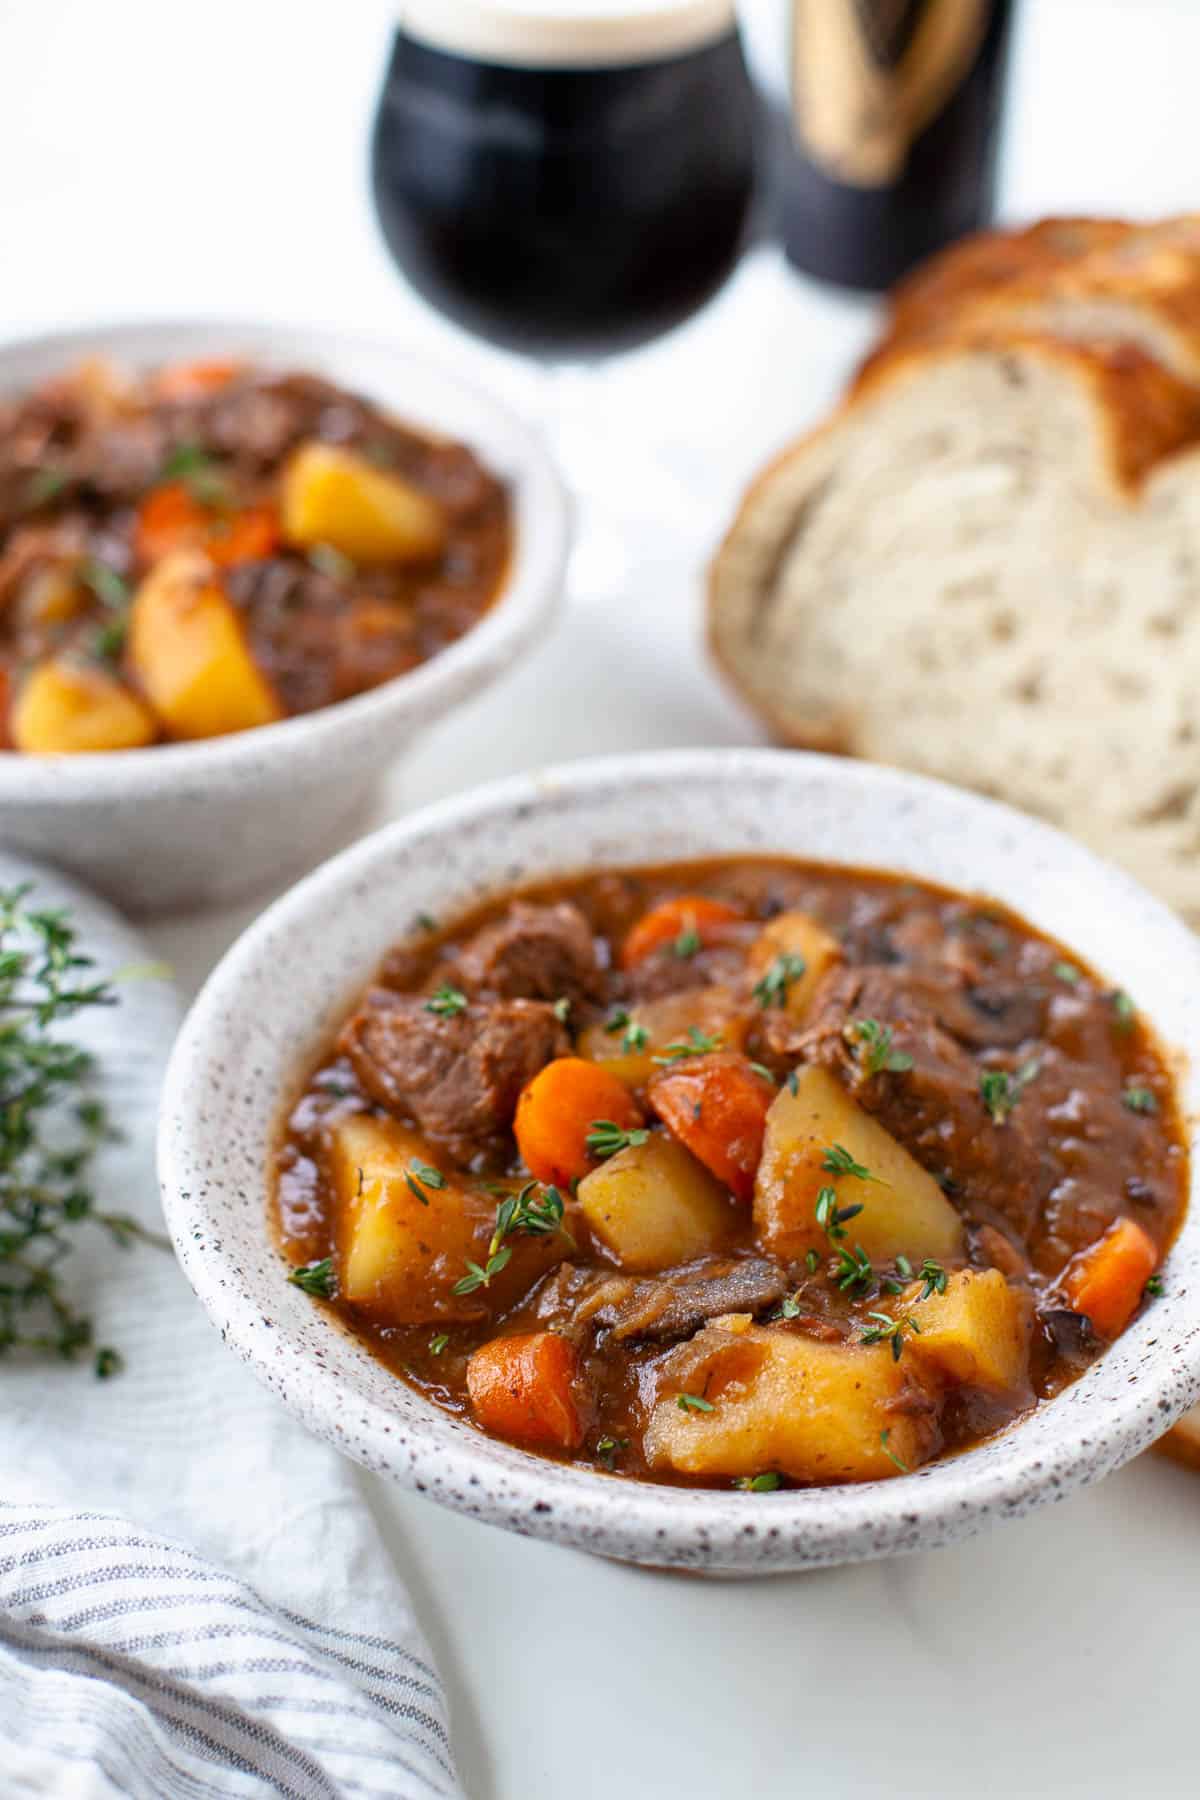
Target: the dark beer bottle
pixel 894 109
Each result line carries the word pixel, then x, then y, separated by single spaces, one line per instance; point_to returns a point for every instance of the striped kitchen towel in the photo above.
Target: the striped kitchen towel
pixel 194 1599
pixel 131 1666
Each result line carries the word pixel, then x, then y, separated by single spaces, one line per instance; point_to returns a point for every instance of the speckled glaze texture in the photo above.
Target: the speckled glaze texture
pixel 289 980
pixel 203 823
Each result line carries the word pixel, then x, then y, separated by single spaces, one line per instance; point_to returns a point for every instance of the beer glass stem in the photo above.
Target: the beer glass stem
pixel 627 498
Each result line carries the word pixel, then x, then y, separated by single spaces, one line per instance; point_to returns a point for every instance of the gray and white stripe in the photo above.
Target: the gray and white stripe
pixel 131 1666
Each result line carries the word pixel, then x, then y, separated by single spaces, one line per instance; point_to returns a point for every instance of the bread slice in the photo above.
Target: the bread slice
pixel 986 566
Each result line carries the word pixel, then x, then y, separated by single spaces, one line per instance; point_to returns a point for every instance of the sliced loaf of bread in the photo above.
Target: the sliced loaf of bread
pixel 986 566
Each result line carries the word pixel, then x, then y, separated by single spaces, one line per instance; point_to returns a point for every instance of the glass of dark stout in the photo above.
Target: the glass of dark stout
pixel 565 179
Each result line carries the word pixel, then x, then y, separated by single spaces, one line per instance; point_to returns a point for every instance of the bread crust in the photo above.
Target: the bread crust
pixel 1086 280
pixel 941 288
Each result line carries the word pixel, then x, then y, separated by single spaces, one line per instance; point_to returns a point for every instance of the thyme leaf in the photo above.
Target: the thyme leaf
pixel 1000 1091
pixel 698 1043
pixel 772 989
pixel 316 1279
pixel 876 1055
pixel 605 1138
pixel 446 1002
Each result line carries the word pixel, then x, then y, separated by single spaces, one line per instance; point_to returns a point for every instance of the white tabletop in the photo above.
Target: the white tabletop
pixel 177 159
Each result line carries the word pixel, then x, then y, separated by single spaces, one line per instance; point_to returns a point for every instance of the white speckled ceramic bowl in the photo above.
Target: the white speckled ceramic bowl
pixel 188 825
pixel 292 977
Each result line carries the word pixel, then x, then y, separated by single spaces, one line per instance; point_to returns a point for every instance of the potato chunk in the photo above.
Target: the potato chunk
pixel 976 1333
pixel 67 708
pixel 653 1205
pixel 399 1258
pixel 780 1401
pixel 187 650
pixel 904 1210
pixel 710 1011
pixel 795 934
pixel 333 496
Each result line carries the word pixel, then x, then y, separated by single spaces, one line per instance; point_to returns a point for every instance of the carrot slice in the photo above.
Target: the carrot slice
pixel 674 922
pixel 171 518
pixel 246 536
pixel 558 1109
pixel 192 380
pixel 520 1388
pixel 1106 1281
pixel 717 1106
pixel 168 519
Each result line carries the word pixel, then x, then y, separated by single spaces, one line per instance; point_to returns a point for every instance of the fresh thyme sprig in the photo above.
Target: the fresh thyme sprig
pixel 889 1330
pixel 1000 1091
pixel 934 1277
pixel 875 1054
pixel 51 1125
pixel 530 1212
pixel 833 1218
pixel 772 990
pixel 419 1176
pixel 316 1279
pixel 605 1138
pixel 446 1002
pixel 635 1037
pixel 853 1271
pixel 837 1160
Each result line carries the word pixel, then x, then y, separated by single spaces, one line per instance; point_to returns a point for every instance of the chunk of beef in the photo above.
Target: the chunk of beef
pixel 996 1249
pixel 532 953
pixel 300 629
pixel 458 1076
pixel 257 419
pixel 665 1308
pixel 993 1014
pixel 936 1108
pixel 121 460
pixel 665 972
pixel 457 480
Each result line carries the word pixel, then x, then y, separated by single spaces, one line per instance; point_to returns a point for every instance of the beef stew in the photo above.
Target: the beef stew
pixel 748 1172
pixel 215 546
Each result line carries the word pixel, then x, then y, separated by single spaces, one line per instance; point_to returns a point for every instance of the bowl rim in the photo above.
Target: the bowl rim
pixel 1011 1474
pixel 525 600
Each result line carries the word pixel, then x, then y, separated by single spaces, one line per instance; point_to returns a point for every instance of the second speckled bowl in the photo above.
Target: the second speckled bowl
pixel 194 824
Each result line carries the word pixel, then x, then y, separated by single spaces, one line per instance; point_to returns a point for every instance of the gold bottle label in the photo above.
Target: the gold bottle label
pixel 868 76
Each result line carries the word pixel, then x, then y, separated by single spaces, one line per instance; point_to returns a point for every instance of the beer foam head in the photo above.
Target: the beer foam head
pixel 567 34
